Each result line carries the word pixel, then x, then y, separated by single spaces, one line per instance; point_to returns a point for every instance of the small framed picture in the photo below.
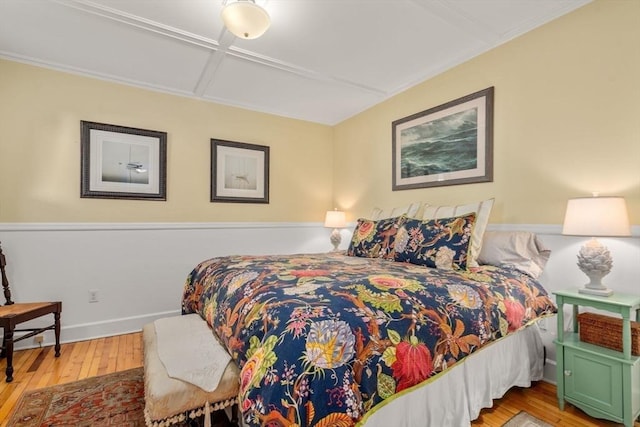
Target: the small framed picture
pixel 239 172
pixel 120 162
pixel 445 145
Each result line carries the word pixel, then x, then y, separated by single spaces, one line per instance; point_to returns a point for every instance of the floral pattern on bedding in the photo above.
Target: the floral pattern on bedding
pixel 322 339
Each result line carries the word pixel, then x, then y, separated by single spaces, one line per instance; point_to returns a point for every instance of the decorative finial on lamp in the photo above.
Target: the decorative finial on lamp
pixel 245 19
pixel 335 219
pixel 596 217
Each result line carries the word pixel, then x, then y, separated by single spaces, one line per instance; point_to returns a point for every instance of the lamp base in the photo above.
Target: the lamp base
pixel 335 238
pixel 604 292
pixel 594 260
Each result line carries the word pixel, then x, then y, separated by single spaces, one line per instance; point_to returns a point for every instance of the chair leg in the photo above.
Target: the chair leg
pixel 3 351
pixel 8 347
pixel 56 317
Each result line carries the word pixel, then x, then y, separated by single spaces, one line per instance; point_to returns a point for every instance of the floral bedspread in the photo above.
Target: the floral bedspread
pixel 321 339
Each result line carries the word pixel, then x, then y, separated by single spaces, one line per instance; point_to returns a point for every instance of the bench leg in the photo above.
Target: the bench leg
pixel 234 415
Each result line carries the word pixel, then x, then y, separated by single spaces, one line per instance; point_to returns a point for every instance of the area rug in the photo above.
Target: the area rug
pixel 522 419
pixel 110 400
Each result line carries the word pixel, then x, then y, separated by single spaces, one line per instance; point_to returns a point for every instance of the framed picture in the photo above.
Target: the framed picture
pixel 119 162
pixel 446 145
pixel 239 172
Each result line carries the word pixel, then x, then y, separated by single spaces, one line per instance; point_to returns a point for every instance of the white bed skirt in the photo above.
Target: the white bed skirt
pixel 457 397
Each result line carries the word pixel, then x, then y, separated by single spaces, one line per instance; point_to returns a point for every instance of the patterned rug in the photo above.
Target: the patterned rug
pixel 109 400
pixel 522 419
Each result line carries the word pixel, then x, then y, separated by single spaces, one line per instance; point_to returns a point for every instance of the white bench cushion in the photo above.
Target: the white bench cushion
pixel 189 351
pixel 167 399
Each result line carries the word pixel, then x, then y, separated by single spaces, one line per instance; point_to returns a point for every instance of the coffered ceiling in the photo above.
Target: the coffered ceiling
pixel 322 60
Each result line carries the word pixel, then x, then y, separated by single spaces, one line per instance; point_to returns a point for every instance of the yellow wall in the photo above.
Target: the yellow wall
pixel 40 114
pixel 567 122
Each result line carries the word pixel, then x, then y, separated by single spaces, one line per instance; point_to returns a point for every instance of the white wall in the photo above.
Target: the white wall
pixel 139 269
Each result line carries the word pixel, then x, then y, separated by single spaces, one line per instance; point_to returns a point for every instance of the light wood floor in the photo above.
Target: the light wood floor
pixel 38 368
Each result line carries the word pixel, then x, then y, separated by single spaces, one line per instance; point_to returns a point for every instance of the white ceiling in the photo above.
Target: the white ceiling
pixel 322 60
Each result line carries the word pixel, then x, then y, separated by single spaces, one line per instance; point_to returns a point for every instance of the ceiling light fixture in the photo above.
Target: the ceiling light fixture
pixel 245 19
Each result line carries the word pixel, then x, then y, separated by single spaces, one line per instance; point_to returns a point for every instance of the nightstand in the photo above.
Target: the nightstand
pixel 603 383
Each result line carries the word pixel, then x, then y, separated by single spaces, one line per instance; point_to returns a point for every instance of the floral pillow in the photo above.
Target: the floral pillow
pixel 375 239
pixel 482 210
pixel 441 243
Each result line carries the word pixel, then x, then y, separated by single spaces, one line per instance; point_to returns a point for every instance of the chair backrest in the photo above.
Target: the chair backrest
pixel 5 281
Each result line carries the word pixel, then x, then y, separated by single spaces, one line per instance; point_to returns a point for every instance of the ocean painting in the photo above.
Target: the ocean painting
pixel 447 144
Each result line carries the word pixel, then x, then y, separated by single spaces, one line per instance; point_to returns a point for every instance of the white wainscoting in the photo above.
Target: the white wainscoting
pixel 139 270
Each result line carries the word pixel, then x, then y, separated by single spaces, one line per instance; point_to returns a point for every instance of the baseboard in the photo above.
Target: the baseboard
pixel 550 373
pixel 94 330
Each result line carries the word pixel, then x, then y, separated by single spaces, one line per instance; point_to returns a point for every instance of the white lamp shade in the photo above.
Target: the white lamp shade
pixel 335 219
pixel 245 19
pixel 596 216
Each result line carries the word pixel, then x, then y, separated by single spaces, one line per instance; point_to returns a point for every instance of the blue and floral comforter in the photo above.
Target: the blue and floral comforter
pixel 322 339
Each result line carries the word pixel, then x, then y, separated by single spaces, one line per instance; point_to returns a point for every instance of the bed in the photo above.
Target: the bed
pixel 338 339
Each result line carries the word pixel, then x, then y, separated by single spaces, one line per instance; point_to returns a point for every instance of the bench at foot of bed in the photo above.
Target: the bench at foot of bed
pixel 169 400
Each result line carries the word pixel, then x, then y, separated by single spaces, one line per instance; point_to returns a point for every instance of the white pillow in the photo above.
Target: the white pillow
pixel 409 211
pixel 482 210
pixel 518 249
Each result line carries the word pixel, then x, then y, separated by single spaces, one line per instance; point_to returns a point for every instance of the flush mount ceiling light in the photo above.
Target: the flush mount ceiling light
pixel 245 19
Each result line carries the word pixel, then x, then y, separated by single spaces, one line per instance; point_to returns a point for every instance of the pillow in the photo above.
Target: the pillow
pixel 517 249
pixel 482 210
pixel 375 239
pixel 440 243
pixel 409 211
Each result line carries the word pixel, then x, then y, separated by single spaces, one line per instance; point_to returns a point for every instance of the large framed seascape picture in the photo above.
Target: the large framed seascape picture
pixel 119 162
pixel 239 172
pixel 446 145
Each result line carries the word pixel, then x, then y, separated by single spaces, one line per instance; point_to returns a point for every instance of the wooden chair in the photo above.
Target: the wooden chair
pixel 12 314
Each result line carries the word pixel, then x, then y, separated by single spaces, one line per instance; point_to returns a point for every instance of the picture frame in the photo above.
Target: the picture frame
pixel 119 162
pixel 449 144
pixel 239 172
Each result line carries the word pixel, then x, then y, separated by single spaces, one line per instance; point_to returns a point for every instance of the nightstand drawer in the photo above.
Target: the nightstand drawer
pixel 594 381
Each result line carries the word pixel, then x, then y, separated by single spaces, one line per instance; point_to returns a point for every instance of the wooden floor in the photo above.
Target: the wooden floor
pixel 38 368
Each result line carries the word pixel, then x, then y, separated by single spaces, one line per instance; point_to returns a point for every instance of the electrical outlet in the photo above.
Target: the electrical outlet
pixel 38 339
pixel 93 295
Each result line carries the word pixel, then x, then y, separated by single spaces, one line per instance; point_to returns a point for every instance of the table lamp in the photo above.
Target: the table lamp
pixel 596 217
pixel 335 219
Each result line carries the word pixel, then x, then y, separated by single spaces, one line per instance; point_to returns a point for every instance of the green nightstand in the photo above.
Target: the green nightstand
pixel 603 383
